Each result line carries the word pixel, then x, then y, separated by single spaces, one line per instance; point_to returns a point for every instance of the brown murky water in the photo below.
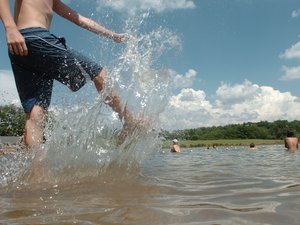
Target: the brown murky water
pixel 197 186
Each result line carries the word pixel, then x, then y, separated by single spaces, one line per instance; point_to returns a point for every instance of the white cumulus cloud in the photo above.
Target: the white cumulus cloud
pixel 291 73
pixel 187 110
pixel 8 90
pixel 238 103
pixel 231 94
pixel 133 6
pixel 296 13
pixel 184 81
pixel 292 53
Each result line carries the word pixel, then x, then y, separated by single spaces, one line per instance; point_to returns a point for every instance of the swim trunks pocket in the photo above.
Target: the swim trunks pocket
pixel 46 45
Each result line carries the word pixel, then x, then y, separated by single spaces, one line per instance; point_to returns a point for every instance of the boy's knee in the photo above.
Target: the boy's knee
pixel 37 114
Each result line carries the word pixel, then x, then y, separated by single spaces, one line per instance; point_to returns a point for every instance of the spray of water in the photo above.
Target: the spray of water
pixel 82 140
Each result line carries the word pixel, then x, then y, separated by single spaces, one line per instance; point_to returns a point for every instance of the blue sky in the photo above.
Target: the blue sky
pixel 239 59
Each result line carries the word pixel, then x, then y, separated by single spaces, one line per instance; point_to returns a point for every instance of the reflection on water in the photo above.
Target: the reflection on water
pixel 197 186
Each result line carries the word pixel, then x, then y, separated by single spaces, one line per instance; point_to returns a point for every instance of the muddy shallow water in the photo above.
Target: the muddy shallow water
pixel 197 186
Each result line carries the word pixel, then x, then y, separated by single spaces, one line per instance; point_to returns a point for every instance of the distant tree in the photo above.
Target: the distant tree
pixel 11 120
pixel 260 130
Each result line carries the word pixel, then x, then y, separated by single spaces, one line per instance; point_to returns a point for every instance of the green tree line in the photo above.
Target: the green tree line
pixel 260 130
pixel 11 120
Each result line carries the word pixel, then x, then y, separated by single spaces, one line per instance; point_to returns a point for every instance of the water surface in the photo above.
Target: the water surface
pixel 197 186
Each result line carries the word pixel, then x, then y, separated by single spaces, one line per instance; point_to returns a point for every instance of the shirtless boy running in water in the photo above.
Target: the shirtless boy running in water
pixel 39 57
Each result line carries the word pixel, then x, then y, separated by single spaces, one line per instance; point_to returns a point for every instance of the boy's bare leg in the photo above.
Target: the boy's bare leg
pixel 34 128
pixel 33 138
pixel 113 99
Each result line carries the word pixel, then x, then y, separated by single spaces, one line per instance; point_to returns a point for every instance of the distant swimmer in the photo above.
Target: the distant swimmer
pixel 291 142
pixel 175 146
pixel 252 146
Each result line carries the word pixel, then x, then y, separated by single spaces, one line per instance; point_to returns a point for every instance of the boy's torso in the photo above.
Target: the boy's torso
pixel 33 13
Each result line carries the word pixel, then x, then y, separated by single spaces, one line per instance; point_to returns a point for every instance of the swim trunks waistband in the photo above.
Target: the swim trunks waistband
pixel 31 30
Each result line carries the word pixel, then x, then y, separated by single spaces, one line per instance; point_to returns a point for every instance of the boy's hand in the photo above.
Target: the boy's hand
pixel 16 42
pixel 118 38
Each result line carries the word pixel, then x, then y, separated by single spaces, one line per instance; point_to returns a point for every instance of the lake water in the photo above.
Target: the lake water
pixel 196 186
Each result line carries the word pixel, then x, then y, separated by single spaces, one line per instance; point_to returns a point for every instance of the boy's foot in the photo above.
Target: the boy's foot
pixel 132 126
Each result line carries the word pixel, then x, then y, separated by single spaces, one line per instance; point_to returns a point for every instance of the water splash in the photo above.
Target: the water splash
pixel 82 140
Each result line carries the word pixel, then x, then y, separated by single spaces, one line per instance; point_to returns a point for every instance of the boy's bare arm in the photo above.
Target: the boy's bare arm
pixel 66 12
pixel 15 41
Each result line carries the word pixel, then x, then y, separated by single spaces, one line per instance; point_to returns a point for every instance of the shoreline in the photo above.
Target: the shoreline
pixel 223 142
pixel 12 140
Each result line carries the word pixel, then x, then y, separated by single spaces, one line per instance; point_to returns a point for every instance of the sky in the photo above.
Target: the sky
pixel 239 60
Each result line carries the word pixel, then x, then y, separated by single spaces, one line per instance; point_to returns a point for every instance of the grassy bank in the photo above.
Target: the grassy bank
pixel 223 142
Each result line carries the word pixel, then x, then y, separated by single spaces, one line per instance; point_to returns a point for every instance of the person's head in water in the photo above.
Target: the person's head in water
pixel 290 134
pixel 175 141
pixel 175 147
pixel 252 145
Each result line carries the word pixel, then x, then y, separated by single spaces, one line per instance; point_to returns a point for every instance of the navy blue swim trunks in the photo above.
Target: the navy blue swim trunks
pixel 48 59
